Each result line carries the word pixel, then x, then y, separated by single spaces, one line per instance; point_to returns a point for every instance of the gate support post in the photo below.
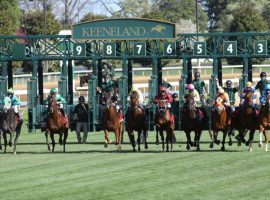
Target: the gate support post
pixel 70 81
pixel 245 71
pixel 250 69
pixel 99 73
pixel 10 74
pixel 40 81
pixel 154 76
pixel 219 68
pixel 189 70
pixel 159 72
pixel 62 83
pixel 130 75
pixel 3 77
pixel 93 104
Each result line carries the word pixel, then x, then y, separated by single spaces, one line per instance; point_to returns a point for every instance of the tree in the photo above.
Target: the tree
pixel 33 22
pixel 90 17
pixel 266 15
pixel 9 16
pixel 127 8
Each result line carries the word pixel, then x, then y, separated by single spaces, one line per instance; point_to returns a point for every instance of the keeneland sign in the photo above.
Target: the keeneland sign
pixel 123 29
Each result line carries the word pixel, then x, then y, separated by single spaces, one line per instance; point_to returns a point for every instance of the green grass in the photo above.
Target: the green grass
pixel 89 171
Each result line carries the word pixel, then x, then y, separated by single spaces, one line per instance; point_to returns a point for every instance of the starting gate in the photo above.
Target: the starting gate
pixel 125 40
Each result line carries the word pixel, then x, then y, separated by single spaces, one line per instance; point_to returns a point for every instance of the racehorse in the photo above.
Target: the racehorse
pixel 8 125
pixel 246 120
pixel 136 121
pixel 56 124
pixel 264 122
pixel 221 121
pixel 163 123
pixel 191 122
pixel 111 122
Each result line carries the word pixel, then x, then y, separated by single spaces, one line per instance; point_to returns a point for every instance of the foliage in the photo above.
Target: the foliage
pixel 9 16
pixel 33 22
pixel 90 17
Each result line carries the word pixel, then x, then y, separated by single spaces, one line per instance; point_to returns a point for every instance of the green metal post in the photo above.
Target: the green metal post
pixel 93 104
pixel 245 70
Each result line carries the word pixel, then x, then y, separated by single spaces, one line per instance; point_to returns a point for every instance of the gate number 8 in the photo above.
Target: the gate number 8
pixel 109 50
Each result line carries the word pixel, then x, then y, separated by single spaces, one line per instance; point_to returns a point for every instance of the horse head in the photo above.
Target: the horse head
pixel 190 106
pixel 134 100
pixel 248 99
pixel 53 106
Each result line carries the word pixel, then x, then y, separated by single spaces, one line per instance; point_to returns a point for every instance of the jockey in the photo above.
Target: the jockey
pixel 135 89
pixel 222 98
pixel 192 91
pixel 163 95
pixel 265 93
pixel 14 102
pixel 107 84
pixel 166 97
pixel 248 88
pixel 260 85
pixel 200 87
pixel 60 100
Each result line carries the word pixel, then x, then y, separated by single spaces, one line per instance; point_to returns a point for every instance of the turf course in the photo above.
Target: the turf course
pixel 89 171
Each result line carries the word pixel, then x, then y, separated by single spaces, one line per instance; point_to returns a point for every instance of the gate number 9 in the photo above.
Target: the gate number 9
pixel 79 50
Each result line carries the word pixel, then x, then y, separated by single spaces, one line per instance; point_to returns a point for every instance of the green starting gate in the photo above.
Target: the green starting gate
pixel 125 40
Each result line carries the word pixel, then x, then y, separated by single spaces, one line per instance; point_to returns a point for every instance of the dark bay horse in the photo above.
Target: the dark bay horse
pixel 163 123
pixel 8 125
pixel 191 122
pixel 246 120
pixel 111 122
pixel 221 121
pixel 56 124
pixel 136 121
pixel 264 122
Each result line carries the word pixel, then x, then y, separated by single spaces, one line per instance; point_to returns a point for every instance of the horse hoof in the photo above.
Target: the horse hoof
pixel 14 152
pixel 211 146
pixel 230 143
pixel 250 149
pixel 134 150
pixel 157 142
pixel 217 142
pixel 222 149
pixel 266 149
pixel 188 147
pixel 10 144
pixel 260 144
pixel 146 146
pixel 247 143
pixel 198 148
pixel 105 145
pixel 191 144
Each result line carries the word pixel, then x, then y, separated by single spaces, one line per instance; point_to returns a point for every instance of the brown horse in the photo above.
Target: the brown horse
pixel 163 123
pixel 136 121
pixel 111 122
pixel 56 124
pixel 191 122
pixel 245 120
pixel 221 121
pixel 264 122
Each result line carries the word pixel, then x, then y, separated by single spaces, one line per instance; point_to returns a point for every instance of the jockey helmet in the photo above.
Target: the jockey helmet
pixel 174 95
pixel 267 87
pixel 248 84
pixel 262 74
pixel 190 87
pixel 10 91
pixel 162 88
pixel 53 91
pixel 81 99
pixel 134 88
pixel 221 91
pixel 197 74
pixel 229 82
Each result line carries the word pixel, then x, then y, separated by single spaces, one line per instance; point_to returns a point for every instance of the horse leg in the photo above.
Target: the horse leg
pixel 251 137
pixel 212 139
pixel 65 139
pixel 5 141
pixel 60 138
pixel 119 138
pixel 230 136
pixel 266 139
pixel 162 138
pixel 132 140
pixel 188 139
pixel 145 141
pixel 53 142
pixel 167 139
pixel 198 136
pixel 10 139
pixel 139 140
pixel 107 140
pixel 171 139
pixel 223 140
pixel 261 132
pixel 16 141
pixel 0 140
pixel 47 141
pixel 157 138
